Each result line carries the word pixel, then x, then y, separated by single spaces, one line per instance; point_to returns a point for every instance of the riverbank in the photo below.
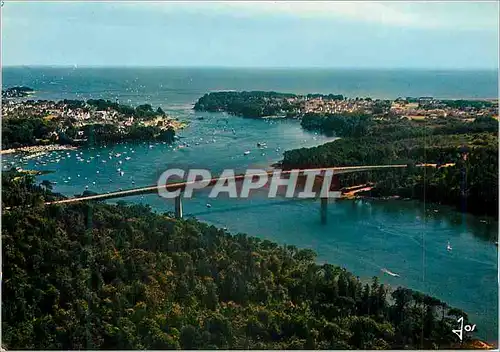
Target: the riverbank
pixel 168 122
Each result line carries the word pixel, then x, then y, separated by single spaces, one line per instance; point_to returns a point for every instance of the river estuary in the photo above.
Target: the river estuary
pixel 405 237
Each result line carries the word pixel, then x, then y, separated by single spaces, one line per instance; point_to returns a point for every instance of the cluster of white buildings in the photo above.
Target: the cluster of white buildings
pixel 337 106
pixel 416 110
pixel 50 110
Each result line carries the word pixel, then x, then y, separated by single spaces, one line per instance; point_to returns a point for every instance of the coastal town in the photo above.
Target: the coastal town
pixel 32 125
pixel 84 114
pixel 271 104
pixel 29 124
pixel 411 108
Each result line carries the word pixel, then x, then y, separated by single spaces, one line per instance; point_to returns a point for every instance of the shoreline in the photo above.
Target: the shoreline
pixel 176 125
pixel 38 149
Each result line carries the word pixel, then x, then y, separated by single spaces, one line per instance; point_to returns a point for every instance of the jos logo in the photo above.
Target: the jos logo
pixel 468 328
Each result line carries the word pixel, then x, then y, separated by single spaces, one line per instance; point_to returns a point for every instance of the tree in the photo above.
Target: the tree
pixel 47 185
pixel 160 111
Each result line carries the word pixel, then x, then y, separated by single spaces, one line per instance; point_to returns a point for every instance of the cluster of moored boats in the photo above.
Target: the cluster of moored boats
pixel 55 157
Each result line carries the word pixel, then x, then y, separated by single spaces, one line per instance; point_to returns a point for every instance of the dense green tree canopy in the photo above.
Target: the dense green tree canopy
pixel 470 185
pixel 98 276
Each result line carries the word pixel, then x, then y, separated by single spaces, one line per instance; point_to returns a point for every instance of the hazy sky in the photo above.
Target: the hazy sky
pixel 261 34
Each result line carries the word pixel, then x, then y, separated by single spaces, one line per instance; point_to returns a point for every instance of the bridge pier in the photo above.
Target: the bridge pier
pixel 323 210
pixel 178 207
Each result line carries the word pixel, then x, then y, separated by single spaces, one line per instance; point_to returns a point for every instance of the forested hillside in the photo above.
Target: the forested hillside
pixel 469 182
pixel 248 104
pixel 98 276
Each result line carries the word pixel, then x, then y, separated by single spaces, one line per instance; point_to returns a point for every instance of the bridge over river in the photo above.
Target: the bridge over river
pixel 183 184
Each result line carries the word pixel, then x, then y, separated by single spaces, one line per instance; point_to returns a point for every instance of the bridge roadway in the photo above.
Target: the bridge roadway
pixel 182 185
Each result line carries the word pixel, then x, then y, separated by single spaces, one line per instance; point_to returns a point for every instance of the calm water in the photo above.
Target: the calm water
pixel 406 237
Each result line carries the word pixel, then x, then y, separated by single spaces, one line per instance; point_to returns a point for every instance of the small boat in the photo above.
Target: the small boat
pixel 389 272
pixel 448 246
pixel 128 158
pixel 247 152
pixel 122 173
pixel 209 205
pixel 261 144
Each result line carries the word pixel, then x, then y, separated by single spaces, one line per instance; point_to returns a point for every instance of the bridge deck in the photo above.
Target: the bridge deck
pixel 182 185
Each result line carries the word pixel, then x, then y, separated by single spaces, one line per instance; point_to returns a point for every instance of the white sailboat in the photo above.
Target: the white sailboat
pixel 448 246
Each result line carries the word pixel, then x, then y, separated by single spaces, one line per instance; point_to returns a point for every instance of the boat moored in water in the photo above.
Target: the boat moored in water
pixel 384 270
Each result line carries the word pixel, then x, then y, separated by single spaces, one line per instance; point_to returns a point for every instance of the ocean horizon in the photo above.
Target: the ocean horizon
pixel 153 83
